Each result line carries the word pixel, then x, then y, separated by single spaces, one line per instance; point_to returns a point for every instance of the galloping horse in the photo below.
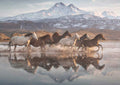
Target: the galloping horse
pixel 21 40
pixel 42 41
pixel 93 42
pixel 56 37
pixel 79 41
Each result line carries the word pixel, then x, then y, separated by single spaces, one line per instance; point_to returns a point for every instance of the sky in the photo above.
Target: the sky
pixel 15 7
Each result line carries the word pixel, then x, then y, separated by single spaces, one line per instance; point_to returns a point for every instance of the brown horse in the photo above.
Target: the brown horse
pixel 79 42
pixel 56 37
pixel 93 42
pixel 42 41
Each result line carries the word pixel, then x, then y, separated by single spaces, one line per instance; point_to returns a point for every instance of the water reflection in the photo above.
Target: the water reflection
pixel 85 61
pixel 71 63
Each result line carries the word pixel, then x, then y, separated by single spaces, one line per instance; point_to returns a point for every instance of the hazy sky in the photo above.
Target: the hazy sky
pixel 15 7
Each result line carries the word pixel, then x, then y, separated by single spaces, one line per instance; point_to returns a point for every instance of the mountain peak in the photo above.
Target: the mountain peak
pixel 71 5
pixel 59 4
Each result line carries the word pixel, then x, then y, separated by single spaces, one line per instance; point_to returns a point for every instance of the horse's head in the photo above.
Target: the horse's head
pixel 34 35
pixel 100 37
pixel 67 34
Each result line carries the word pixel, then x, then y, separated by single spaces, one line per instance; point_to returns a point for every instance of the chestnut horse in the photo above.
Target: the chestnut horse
pixel 42 41
pixel 93 42
pixel 56 37
pixel 79 41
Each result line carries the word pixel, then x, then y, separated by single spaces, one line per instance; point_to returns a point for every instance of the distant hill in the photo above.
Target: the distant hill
pixel 3 37
pixel 108 34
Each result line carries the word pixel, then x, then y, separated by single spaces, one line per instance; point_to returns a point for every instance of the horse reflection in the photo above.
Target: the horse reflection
pixel 47 62
pixel 22 63
pixel 31 63
pixel 85 61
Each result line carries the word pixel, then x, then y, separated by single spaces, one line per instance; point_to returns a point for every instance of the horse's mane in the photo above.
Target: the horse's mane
pixel 99 35
pixel 65 33
pixel 28 34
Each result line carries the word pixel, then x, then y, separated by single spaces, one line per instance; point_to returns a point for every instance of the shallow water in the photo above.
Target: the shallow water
pixel 54 68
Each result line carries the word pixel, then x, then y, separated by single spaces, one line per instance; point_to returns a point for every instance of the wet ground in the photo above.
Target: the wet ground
pixel 61 68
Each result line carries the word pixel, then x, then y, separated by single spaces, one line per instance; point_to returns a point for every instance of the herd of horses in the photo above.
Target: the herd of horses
pixel 66 39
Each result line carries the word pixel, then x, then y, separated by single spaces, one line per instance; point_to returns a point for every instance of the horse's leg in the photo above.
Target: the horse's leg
pixel 15 47
pixel 99 57
pixel 28 45
pixel 44 48
pixel 99 45
pixel 98 48
pixel 9 46
pixel 41 48
pixel 85 48
pixel 15 57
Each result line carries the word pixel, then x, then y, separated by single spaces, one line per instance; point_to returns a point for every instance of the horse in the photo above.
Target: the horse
pixel 42 41
pixel 69 41
pixel 56 37
pixel 21 40
pixel 79 41
pixel 93 42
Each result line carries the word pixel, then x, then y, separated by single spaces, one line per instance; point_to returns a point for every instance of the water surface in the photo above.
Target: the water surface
pixel 60 68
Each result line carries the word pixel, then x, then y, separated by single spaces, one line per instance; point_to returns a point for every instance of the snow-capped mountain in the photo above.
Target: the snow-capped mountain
pixel 63 17
pixel 107 14
pixel 58 10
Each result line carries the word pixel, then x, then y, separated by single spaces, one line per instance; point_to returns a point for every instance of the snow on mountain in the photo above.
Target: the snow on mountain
pixel 106 14
pixel 109 14
pixel 58 10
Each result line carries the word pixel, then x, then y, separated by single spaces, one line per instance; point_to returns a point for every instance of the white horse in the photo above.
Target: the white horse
pixel 22 40
pixel 69 41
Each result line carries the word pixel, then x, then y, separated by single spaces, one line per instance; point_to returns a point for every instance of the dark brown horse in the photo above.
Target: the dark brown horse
pixel 56 37
pixel 93 42
pixel 42 41
pixel 79 42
